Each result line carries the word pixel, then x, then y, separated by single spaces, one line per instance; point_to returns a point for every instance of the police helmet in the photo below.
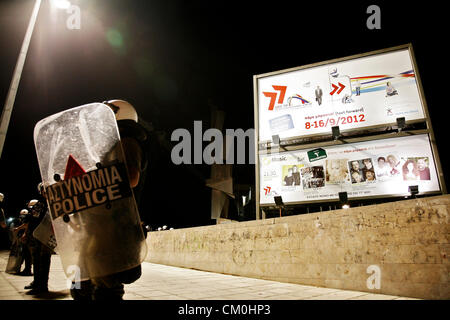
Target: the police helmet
pixel 122 109
pixel 32 203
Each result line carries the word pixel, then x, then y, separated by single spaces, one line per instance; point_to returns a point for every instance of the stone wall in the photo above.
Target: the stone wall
pixel 408 242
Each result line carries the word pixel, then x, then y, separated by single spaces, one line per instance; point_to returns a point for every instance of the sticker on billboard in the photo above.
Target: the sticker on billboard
pixel 317 154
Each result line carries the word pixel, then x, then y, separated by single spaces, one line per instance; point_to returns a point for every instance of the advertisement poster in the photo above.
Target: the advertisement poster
pixel 352 94
pixel 384 167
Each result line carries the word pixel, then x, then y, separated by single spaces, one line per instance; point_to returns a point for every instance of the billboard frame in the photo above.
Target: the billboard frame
pixel 426 119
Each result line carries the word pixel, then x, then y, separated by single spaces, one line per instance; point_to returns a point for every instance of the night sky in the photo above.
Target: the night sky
pixel 174 59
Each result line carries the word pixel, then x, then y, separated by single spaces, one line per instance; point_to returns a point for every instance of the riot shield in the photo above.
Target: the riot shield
pixel 45 234
pixel 15 258
pixel 92 207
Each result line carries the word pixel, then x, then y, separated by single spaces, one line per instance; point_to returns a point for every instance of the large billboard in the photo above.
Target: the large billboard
pixel 375 168
pixel 358 92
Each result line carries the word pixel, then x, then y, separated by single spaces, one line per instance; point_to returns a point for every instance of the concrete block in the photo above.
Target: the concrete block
pixel 444 291
pixel 280 230
pixel 414 290
pixel 413 273
pixel 409 240
pixel 445 253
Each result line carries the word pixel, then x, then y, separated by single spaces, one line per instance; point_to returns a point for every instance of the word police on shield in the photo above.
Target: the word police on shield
pixel 94 188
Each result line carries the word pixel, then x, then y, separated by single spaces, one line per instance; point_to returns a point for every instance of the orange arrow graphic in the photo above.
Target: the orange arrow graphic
pixel 335 88
pixel 342 87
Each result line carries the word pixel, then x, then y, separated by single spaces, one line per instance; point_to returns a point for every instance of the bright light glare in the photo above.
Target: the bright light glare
pixel 345 206
pixel 60 4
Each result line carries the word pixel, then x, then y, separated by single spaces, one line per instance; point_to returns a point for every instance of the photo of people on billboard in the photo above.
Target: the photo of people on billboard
pixel 361 170
pixel 416 169
pixel 382 169
pixel 394 165
pixel 409 170
pixel 368 170
pixel 336 171
pixel 388 167
pixel 423 165
pixel 313 177
pixel 291 175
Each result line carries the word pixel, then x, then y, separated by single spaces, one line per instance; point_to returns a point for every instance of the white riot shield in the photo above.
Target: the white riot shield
pixel 45 234
pixel 93 210
pixel 16 258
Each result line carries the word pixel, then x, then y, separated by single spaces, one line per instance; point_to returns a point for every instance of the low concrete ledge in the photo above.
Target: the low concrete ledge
pixel 397 248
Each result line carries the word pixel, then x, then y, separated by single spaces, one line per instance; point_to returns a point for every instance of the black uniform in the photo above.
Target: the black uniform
pixel 41 254
pixel 25 244
pixel 4 234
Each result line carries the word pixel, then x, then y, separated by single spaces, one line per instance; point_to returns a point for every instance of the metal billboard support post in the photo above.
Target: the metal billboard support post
pixel 257 186
pixel 7 109
pixel 428 122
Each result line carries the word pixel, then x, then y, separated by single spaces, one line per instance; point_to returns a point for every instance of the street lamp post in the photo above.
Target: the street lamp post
pixel 10 98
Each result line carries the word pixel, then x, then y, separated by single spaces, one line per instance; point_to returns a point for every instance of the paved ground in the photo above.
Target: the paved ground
pixel 160 282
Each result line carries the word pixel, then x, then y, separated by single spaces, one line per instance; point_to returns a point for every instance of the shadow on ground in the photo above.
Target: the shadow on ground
pixel 52 295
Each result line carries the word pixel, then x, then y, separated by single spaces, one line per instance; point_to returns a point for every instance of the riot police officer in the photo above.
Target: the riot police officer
pixel 40 253
pixel 134 139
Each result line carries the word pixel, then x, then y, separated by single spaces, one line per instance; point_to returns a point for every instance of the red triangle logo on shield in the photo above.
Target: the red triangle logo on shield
pixel 73 168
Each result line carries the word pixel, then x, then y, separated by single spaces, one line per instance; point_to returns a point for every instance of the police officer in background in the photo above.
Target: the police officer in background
pixel 2 213
pixel 23 241
pixel 4 234
pixel 134 139
pixel 40 253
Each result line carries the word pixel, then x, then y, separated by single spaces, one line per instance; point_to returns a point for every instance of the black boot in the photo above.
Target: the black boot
pixel 37 291
pixel 114 293
pixel 81 291
pixel 25 272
